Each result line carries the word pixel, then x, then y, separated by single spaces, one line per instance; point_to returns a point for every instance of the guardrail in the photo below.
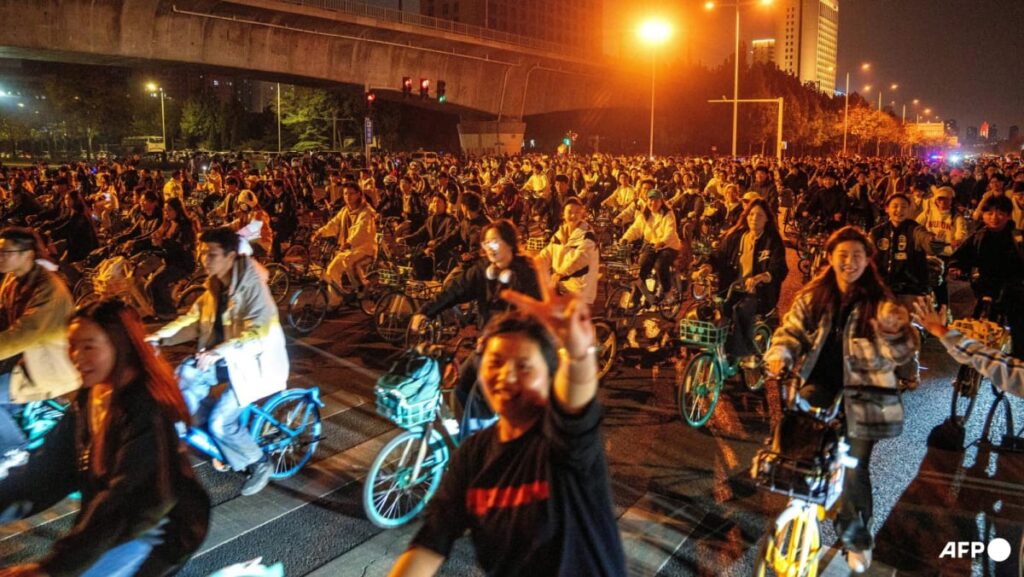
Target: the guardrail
pixel 441 24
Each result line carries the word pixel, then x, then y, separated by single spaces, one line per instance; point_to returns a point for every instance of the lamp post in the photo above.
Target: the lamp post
pixel 153 88
pixel 710 5
pixel 846 107
pixel 654 32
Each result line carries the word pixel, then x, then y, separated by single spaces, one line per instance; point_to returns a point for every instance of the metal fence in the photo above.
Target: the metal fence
pixel 444 25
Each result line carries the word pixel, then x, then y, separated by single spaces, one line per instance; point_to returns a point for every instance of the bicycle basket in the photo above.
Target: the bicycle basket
pixel 617 253
pixel 423 289
pixel 535 244
pixel 702 333
pixel 801 460
pixel 985 332
pixel 393 276
pixel 408 393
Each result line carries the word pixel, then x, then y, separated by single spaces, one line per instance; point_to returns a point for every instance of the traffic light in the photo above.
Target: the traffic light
pixel 371 96
pixel 440 92
pixel 567 141
pixel 424 88
pixel 406 87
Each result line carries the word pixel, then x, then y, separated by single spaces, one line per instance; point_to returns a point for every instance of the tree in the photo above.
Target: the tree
pixel 92 101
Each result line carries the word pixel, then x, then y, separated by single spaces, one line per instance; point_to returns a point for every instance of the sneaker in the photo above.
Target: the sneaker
pixel 259 476
pixel 858 561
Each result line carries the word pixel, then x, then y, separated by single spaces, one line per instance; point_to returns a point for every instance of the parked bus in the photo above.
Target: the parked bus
pixel 141 144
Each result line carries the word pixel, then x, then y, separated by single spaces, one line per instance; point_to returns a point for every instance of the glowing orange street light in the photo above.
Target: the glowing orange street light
pixel 654 32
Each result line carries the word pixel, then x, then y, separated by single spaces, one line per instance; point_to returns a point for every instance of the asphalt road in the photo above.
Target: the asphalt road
pixel 684 498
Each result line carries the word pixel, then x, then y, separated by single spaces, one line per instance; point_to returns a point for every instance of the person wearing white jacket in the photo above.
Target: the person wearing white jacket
pixel 656 226
pixel 36 306
pixel 240 342
pixel 355 227
pixel 572 256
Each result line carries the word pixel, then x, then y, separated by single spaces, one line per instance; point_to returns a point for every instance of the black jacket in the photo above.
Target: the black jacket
pixel 474 285
pixel 769 256
pixel 146 478
pixel 902 256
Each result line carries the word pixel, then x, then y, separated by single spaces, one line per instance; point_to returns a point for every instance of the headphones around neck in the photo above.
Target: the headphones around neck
pixel 502 275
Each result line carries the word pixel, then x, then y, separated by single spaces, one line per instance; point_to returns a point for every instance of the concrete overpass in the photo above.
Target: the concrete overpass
pixel 493 75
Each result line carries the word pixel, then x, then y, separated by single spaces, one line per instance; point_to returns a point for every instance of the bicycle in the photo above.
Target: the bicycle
pixel 807 462
pixel 37 418
pixel 967 382
pixel 705 328
pixel 286 426
pixel 407 471
pixel 308 306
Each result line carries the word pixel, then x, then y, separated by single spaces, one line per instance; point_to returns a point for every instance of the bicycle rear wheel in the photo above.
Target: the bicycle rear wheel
pixel 307 308
pixel 394 492
pixel 965 393
pixel 622 303
pixel 291 433
pixel 697 394
pixel 370 293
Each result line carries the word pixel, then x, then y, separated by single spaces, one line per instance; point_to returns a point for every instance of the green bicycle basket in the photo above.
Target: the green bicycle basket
pixel 702 333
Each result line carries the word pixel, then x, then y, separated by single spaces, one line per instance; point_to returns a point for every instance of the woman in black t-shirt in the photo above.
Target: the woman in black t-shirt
pixel 533 490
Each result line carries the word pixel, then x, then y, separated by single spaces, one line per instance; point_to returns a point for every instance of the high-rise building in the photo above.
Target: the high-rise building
pixel 577 24
pixel 983 131
pixel 764 50
pixel 972 135
pixel 807 33
pixel 952 128
pixel 1014 133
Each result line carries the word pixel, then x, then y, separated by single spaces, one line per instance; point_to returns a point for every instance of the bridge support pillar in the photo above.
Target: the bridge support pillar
pixel 491 136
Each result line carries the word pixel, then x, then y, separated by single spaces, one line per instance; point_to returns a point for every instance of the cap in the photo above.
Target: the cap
pixel 247 199
pixel 750 196
pixel 654 193
pixel 943 192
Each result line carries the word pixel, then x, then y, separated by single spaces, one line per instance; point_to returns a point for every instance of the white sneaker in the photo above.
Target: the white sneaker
pixel 11 459
pixel 859 561
pixel 452 426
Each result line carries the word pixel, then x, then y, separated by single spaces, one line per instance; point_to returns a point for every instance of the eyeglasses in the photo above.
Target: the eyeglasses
pixel 491 245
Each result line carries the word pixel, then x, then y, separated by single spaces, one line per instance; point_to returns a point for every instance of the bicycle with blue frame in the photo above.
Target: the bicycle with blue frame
pixel 704 330
pixel 286 426
pixel 407 471
pixel 37 418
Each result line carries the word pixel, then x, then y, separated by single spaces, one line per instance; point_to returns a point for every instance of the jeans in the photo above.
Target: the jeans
pixel 127 559
pixel 218 413
pixel 741 339
pixel 661 260
pixel 11 435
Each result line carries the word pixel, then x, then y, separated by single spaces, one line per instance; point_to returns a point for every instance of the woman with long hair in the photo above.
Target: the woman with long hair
pixel 143 513
pixel 846 329
pixel 753 253
pixel 176 239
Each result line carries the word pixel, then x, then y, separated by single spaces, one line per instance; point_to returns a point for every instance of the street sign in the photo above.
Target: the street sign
pixel 785 145
pixel 368 127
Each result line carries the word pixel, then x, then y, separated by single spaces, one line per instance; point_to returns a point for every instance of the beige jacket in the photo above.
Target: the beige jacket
pixel 654 229
pixel 357 229
pixel 254 343
pixel 576 259
pixel 42 307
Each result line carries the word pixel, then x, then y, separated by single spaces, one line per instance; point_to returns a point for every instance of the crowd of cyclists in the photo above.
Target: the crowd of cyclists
pixel 523 243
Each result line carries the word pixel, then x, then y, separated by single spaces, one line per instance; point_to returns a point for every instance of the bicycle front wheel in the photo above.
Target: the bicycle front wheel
pixel 392 316
pixel 289 432
pixel 699 390
pixel 296 260
pixel 307 308
pixel 399 483
pixel 965 393
pixel 607 347
pixel 791 551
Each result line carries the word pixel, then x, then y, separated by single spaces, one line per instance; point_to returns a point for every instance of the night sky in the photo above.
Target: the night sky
pixel 962 58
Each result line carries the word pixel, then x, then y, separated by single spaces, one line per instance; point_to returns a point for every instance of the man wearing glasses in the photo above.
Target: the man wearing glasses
pixel 34 361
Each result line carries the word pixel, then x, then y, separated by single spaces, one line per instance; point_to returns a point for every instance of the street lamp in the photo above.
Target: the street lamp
pixel 736 68
pixel 654 32
pixel 846 107
pixel 153 88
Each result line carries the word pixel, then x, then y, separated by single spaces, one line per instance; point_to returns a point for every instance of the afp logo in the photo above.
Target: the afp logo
pixel 998 549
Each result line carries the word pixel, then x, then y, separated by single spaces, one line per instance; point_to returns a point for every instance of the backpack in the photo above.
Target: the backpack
pixel 407 394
